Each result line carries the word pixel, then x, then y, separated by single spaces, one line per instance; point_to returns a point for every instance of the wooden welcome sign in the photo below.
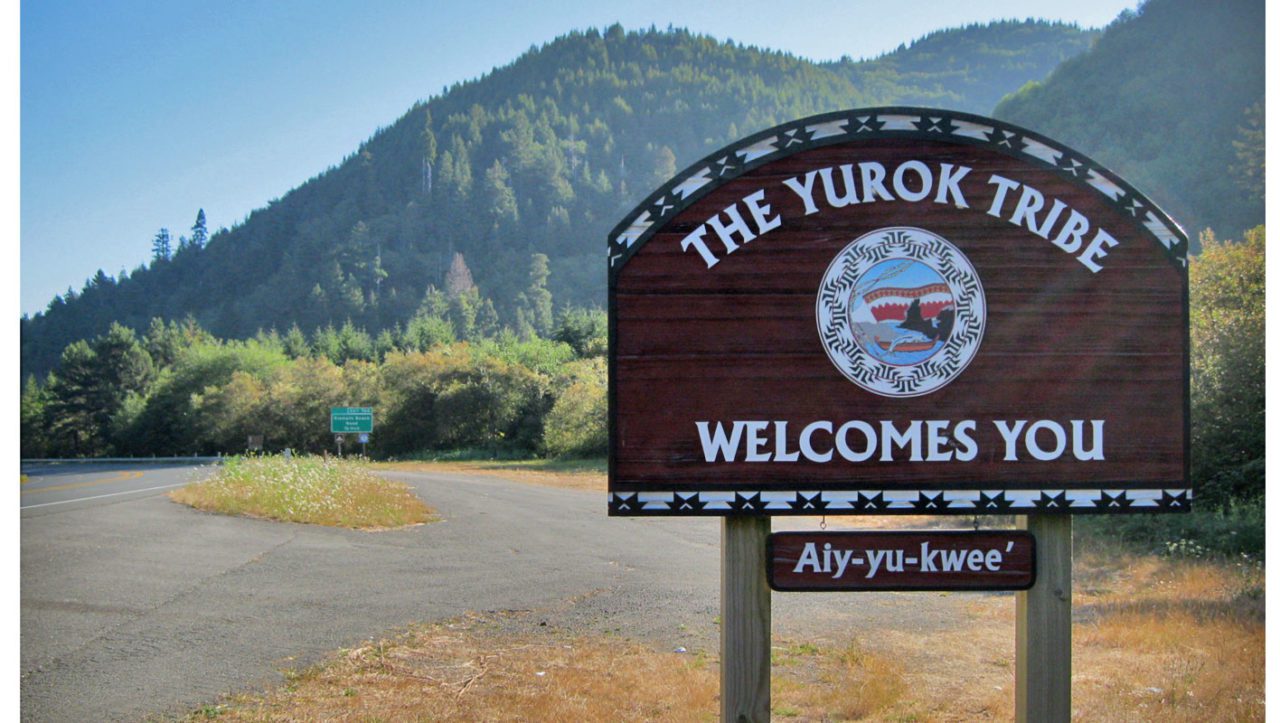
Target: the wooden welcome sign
pixel 897 310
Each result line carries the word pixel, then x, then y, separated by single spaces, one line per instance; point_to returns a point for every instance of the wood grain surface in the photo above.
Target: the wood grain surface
pixel 739 341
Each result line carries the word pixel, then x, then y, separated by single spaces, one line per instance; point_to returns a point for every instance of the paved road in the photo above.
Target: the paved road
pixel 133 605
pixel 59 485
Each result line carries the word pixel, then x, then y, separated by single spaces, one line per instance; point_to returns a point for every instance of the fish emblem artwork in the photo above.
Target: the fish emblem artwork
pixel 901 311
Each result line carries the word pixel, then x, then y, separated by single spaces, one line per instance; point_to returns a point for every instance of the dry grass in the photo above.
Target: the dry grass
pixel 1170 641
pixel 844 682
pixel 1155 639
pixel 475 670
pixel 464 670
pixel 313 490
pixel 588 475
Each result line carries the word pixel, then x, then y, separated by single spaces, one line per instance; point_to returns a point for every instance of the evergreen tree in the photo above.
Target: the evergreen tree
pixel 199 232
pixel 487 321
pixel 378 271
pixel 434 303
pixel 459 171
pixel 587 331
pixel 124 365
pixel 91 387
pixel 32 419
pixel 163 342
pixel 353 343
pixel 462 313
pixel 536 299
pixel 385 343
pixel 500 199
pixel 426 332
pixel 295 343
pixel 160 248
pixel 1251 150
pixel 428 154
pixel 73 411
pixel 326 344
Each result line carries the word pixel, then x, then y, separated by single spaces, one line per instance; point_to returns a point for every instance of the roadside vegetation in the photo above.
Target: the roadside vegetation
pixel 457 380
pixel 312 490
pixel 590 474
pixel 1170 638
pixel 1156 638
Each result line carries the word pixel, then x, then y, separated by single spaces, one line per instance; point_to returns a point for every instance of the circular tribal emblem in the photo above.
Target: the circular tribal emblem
pixel 901 311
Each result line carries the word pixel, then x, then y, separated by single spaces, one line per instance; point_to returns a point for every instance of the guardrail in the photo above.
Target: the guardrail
pixel 124 460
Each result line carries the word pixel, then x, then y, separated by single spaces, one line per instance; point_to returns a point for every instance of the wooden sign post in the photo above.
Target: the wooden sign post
pixel 897 311
pixel 745 620
pixel 1042 672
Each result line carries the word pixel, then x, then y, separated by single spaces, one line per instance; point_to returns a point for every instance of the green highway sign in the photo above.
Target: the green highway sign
pixel 350 419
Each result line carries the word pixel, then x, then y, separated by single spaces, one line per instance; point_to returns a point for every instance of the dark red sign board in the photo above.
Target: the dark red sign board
pixel 843 561
pixel 897 310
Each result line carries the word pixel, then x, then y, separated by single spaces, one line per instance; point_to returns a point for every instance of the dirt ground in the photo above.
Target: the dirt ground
pixel 1154 638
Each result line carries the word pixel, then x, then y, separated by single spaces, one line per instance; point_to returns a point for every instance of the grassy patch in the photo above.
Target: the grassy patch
pixel 313 490
pixel 593 466
pixel 1169 639
pixel 589 465
pixel 468 454
pixel 580 474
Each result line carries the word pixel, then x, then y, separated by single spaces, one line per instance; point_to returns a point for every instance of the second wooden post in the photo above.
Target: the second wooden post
pixel 1043 668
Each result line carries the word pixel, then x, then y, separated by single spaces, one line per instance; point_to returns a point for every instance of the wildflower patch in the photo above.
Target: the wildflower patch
pixel 311 490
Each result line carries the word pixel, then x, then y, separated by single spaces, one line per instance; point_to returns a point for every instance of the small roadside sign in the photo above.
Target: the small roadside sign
pixel 364 438
pixel 845 561
pixel 350 419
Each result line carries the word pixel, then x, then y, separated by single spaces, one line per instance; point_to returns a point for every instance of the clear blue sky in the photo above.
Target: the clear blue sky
pixel 136 114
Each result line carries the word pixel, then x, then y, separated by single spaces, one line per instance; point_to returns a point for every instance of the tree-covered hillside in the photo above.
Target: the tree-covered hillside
pixel 540 156
pixel 969 69
pixel 1171 98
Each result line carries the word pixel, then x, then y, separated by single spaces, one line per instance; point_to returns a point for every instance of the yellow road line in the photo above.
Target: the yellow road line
pixel 117 477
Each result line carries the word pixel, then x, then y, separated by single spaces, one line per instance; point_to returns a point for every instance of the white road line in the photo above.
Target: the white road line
pixel 98 497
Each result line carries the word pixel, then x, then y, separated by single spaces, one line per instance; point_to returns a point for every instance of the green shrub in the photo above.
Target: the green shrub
pixel 577 425
pixel 1226 532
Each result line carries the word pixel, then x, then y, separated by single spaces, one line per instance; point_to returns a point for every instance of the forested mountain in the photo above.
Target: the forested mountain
pixel 540 156
pixel 1171 98
pixel 969 69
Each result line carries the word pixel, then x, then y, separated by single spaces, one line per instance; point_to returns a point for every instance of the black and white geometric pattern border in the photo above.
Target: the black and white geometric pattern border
pixel 914 502
pixel 891 122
